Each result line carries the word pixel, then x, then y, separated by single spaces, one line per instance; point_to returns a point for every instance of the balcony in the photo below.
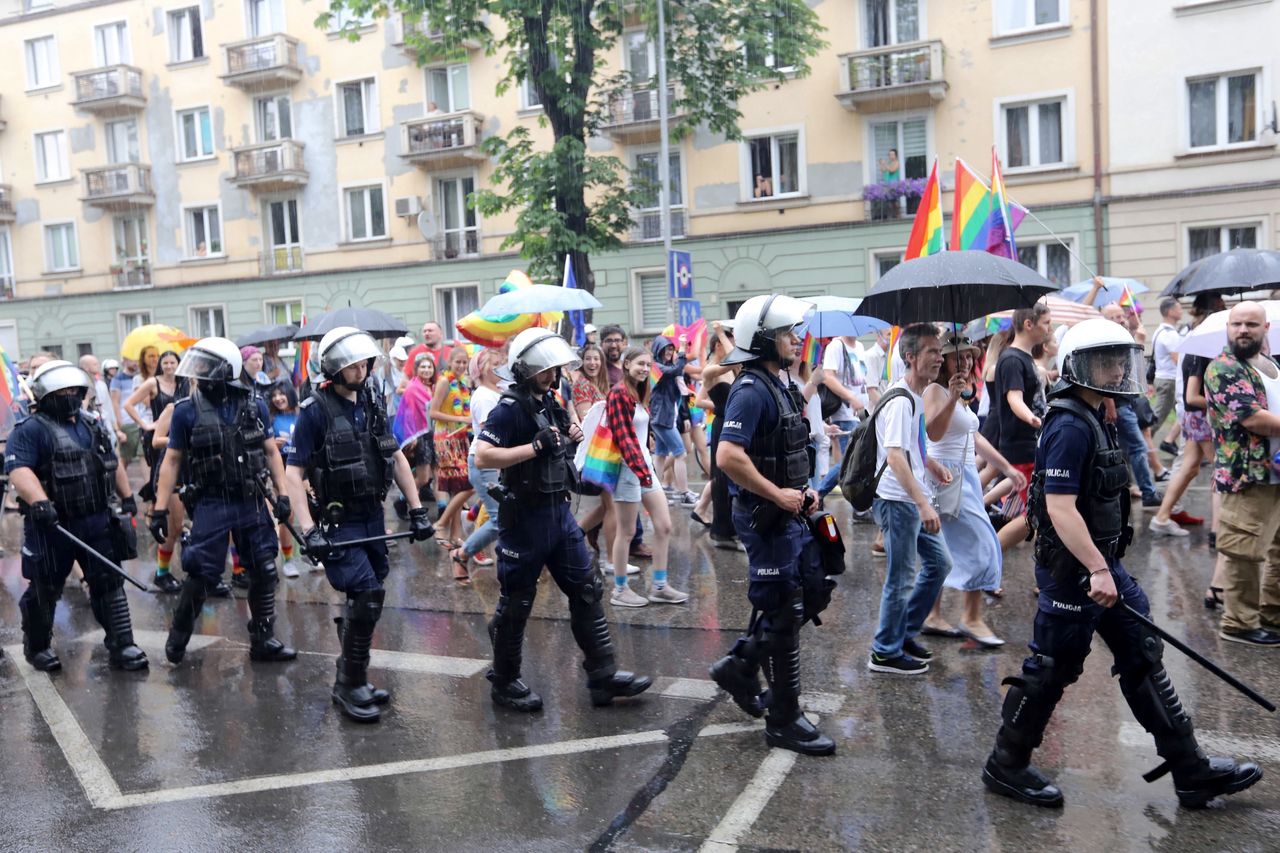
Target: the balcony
pixel 131 275
pixel 448 141
pixel 259 63
pixel 425 28
pixel 648 224
pixel 456 244
pixel 109 91
pixel 119 187
pixel 269 166
pixel 281 260
pixel 896 77
pixel 633 115
pixel 7 214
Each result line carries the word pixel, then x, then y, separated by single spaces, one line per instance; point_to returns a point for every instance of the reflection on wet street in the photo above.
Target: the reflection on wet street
pixel 220 753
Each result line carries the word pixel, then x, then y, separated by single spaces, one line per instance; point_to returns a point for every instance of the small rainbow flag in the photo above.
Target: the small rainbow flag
pixel 1000 232
pixel 496 331
pixel 971 219
pixel 895 332
pixel 1128 303
pixel 926 231
pixel 811 350
pixel 603 464
pixel 10 389
pixel 302 360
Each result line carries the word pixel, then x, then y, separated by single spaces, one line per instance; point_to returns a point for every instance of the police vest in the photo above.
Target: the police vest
pixel 1103 500
pixel 781 455
pixel 542 479
pixel 225 459
pixel 77 479
pixel 351 465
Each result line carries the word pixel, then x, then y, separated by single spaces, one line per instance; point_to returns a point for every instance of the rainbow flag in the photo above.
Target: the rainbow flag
pixel 1128 303
pixel 811 349
pixel 971 218
pixel 603 464
pixel 302 360
pixel 895 332
pixel 696 333
pixel 10 389
pixel 1000 231
pixel 496 331
pixel 926 231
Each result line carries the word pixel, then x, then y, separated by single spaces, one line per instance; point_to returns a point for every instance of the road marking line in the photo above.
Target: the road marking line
pixel 150 640
pixel 751 802
pixel 702 690
pixel 1244 747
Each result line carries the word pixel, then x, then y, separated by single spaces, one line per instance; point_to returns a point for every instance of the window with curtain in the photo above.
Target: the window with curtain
pixel 1013 16
pixel 366 216
pixel 122 141
pixel 1049 258
pixel 204 232
pixel 1033 133
pixel 42 62
pixel 774 165
pixel 186 35
pixel 887 22
pixel 6 264
pixel 51 156
pixel 60 250
pixel 1222 110
pixel 448 88
pixel 195 134
pixel 111 43
pixel 358 108
pixel 1210 240
pixel 454 303
pixel 458 226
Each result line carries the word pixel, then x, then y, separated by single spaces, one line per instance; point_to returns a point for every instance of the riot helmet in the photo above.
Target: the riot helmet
pixel 760 320
pixel 343 347
pixel 213 363
pixel 52 377
pixel 1102 356
pixel 536 350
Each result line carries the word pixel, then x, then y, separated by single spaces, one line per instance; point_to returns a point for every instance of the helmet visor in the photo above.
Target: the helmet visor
pixel 1115 371
pixel 350 350
pixel 544 354
pixel 198 364
pixel 58 377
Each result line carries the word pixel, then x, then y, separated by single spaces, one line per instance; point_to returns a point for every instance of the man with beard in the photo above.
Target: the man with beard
pixel 1243 390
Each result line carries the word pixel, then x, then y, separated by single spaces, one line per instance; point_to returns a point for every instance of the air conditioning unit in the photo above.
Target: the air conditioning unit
pixel 409 205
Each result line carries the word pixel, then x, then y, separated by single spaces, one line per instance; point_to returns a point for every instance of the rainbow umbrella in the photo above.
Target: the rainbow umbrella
pixel 496 331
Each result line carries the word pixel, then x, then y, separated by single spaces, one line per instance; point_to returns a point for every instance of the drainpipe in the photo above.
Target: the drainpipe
pixel 1100 252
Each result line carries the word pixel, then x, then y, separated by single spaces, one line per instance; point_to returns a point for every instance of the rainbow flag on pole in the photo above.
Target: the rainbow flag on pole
pixel 1128 303
pixel 971 218
pixel 302 359
pixel 10 390
pixel 895 332
pixel 926 231
pixel 810 350
pixel 1000 233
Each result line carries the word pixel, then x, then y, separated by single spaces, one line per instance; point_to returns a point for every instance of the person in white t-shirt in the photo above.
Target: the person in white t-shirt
pixel 905 513
pixel 845 375
pixel 1162 344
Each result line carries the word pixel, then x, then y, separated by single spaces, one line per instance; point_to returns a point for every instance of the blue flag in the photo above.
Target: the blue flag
pixel 576 322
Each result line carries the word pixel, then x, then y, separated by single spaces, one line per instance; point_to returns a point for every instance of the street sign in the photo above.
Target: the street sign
pixel 680 275
pixel 689 311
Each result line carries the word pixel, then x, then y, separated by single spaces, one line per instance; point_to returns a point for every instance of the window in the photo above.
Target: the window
pixel 6 264
pixel 208 321
pixel 186 37
pixel 774 163
pixel 60 250
pixel 42 62
pixel 204 232
pixel 1015 16
pixel 111 44
pixel 777 49
pixel 132 267
pixel 1211 240
pixel 882 262
pixel 454 303
pixel 901 151
pixel 889 22
pixel 649 300
pixel 264 17
pixel 284 239
pixel 51 156
pixel 345 18
pixel 122 141
pixel 1049 258
pixel 127 321
pixel 282 313
pixel 1223 110
pixel 638 52
pixel 649 213
pixel 195 134
pixel 447 89
pixel 529 99
pixel 273 118
pixel 459 232
pixel 366 216
pixel 358 108
pixel 1034 133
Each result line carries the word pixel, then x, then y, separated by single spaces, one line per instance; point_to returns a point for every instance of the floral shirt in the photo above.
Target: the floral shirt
pixel 585 391
pixel 1235 393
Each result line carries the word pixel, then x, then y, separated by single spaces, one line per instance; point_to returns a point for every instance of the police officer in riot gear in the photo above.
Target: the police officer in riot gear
pixel 218 446
pixel 764 452
pixel 1079 508
pixel 527 437
pixel 343 447
pixel 62 465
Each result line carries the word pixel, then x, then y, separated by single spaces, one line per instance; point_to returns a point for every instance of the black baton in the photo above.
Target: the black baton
pixel 288 525
pixel 101 558
pixel 348 543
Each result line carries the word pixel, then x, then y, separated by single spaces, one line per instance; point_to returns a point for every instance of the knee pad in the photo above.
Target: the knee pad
pixel 516 606
pixel 1033 695
pixel 265 576
pixel 367 606
pixel 590 591
pixel 103 582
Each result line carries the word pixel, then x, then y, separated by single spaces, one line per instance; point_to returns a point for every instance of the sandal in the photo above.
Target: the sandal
pixel 1213 599
pixel 460 573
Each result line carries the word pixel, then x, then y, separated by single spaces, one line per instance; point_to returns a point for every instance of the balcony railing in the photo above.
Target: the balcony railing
pixel 426 28
pixel 270 165
pixel 116 88
pixel 892 77
pixel 648 224
pixel 120 186
pixel 7 213
pixel 281 260
pixel 456 244
pixel 132 275
pixel 633 114
pixel 266 60
pixel 443 141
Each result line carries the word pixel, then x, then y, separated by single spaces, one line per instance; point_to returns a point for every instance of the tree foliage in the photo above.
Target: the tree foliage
pixel 569 200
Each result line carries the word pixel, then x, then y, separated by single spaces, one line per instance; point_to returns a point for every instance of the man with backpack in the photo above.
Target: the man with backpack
pixel 904 509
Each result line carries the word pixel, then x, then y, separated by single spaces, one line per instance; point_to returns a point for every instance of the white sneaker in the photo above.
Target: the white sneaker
pixel 1167 528
pixel 668 595
pixel 606 568
pixel 626 597
pixel 688 499
pixel 290 570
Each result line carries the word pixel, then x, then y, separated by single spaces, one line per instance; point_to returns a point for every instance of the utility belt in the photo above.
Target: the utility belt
pixel 1054 555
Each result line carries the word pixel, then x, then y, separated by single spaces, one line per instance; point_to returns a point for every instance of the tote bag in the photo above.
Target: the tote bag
pixel 598 458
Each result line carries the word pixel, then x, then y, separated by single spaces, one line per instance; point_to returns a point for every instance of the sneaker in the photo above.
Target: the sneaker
pixel 916 650
pixel 290 569
pixel 1164 476
pixel 901 665
pixel 1153 500
pixel 730 544
pixel 166 582
pixel 1169 447
pixel 1256 637
pixel 240 580
pixel 1184 517
pixel 878 551
pixel 1167 528
pixel 606 568
pixel 668 595
pixel 670 490
pixel 627 597
pixel 688 499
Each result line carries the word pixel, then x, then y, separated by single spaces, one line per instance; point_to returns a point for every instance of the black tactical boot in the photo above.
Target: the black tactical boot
pixel 605 681
pixel 737 674
pixel 380 696
pixel 785 726
pixel 506 632
pixel 37 629
pixel 351 691
pixel 190 603
pixel 263 645
pixel 1198 783
pixel 1026 711
pixel 122 653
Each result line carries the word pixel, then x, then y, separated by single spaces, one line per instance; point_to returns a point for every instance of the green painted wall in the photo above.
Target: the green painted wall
pixel 836 260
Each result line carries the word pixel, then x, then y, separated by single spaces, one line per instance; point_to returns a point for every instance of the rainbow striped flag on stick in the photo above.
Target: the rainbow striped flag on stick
pixel 895 332
pixel 811 349
pixel 971 218
pixel 926 231
pixel 1000 231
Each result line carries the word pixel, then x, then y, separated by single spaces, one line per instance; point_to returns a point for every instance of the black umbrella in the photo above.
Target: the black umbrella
pixel 1235 271
pixel 953 286
pixel 377 323
pixel 258 337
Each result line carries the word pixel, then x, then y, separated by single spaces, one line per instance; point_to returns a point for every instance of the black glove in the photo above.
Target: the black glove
pixel 420 525
pixel 129 505
pixel 546 442
pixel 317 545
pixel 44 514
pixel 159 525
pixel 283 508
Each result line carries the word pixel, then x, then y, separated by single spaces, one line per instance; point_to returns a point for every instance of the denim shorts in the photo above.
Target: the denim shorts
pixel 629 490
pixel 667 441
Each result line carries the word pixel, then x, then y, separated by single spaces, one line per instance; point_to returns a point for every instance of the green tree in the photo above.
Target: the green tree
pixel 568 200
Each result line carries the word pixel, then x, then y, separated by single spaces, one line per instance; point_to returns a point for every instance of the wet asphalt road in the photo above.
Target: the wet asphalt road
pixel 222 754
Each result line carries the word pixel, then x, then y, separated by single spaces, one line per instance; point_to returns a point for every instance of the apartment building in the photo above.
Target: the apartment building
pixel 217 164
